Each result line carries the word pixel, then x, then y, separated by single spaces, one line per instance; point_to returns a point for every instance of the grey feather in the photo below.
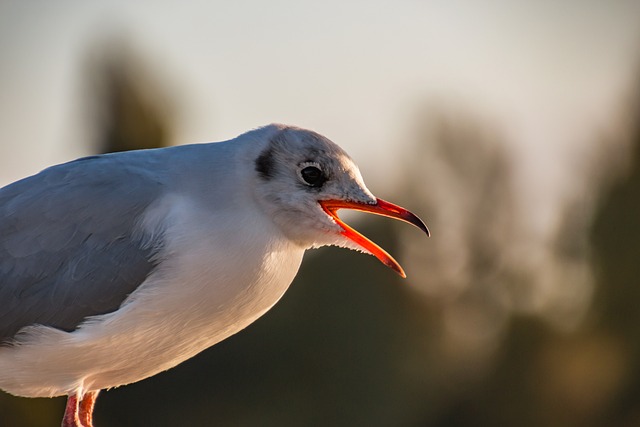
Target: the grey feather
pixel 68 244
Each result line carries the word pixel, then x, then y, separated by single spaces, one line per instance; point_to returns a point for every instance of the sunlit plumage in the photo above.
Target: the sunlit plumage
pixel 114 268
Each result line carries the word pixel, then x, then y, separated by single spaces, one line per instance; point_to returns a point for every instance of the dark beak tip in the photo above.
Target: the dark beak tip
pixel 420 224
pixel 403 214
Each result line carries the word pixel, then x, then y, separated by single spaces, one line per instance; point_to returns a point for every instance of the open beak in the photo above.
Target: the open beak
pixel 381 207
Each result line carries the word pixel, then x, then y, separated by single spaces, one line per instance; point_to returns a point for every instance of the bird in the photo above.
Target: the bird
pixel 116 267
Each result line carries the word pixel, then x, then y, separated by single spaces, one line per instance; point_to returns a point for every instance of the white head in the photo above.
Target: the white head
pixel 302 178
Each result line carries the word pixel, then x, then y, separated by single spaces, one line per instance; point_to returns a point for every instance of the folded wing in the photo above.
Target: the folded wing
pixel 69 247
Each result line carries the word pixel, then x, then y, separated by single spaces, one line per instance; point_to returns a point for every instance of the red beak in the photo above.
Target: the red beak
pixel 379 208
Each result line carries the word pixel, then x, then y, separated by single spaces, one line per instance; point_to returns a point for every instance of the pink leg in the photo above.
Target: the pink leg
pixel 79 410
pixel 86 408
pixel 70 418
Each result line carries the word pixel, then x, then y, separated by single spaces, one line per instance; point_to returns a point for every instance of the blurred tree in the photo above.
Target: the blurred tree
pixel 130 107
pixel 510 338
pixel 616 242
pixel 461 175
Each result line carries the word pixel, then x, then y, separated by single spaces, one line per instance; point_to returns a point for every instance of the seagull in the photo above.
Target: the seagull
pixel 114 268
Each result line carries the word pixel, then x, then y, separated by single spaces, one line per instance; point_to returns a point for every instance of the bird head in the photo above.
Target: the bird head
pixel 303 179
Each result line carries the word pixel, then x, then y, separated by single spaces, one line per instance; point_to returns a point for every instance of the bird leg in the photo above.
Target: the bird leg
pixel 79 410
pixel 86 408
pixel 70 418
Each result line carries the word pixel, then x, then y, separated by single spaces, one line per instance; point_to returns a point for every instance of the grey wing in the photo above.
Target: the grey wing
pixel 68 244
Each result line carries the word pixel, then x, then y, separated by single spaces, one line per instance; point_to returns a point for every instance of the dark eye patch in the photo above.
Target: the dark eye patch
pixel 265 164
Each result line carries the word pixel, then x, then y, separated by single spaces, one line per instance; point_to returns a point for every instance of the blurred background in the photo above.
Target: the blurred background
pixel 512 128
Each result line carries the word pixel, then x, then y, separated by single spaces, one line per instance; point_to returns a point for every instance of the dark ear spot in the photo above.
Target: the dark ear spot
pixel 265 164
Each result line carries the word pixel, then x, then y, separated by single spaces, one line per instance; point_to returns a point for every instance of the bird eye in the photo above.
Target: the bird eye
pixel 313 175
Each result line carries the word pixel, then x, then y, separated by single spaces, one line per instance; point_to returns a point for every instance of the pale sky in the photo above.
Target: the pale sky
pixel 549 75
